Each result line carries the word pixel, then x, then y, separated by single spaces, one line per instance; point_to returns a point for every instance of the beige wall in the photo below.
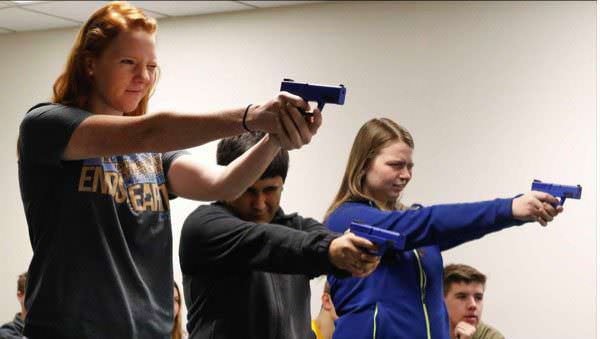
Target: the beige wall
pixel 495 95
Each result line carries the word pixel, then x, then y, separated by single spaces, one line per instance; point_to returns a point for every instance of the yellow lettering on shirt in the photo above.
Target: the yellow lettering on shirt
pixel 142 196
pixel 84 178
pixel 134 197
pixel 120 195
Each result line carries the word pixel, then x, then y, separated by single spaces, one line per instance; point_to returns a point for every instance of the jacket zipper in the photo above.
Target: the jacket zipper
pixel 423 285
pixel 375 321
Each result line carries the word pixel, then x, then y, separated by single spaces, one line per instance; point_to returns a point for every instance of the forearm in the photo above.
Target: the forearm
pixel 106 135
pixel 215 241
pixel 167 131
pixel 441 225
pixel 453 224
pixel 277 249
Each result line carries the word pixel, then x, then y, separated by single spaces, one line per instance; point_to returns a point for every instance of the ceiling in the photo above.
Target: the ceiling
pixel 23 16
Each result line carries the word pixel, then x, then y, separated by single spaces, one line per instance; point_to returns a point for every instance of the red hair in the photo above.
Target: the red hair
pixel 74 86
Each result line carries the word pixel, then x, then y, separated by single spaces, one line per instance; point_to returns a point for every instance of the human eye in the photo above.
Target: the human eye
pixel 152 67
pixel 398 164
pixel 270 189
pixel 127 61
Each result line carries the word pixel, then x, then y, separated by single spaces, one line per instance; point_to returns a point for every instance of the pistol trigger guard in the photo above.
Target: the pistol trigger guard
pixel 320 105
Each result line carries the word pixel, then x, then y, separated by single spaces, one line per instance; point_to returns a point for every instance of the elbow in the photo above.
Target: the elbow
pixel 226 188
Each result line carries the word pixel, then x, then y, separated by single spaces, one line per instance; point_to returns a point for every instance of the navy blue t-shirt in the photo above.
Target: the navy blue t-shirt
pixel 101 235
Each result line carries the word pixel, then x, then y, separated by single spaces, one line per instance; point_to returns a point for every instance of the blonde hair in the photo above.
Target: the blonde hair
pixel 371 138
pixel 74 86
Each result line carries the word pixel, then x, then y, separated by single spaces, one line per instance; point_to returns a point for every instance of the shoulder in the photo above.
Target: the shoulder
pixel 50 109
pixel 204 211
pixel 207 222
pixel 485 331
pixel 348 212
pixel 282 217
pixel 48 115
pixel 296 221
pixel 351 207
pixel 205 215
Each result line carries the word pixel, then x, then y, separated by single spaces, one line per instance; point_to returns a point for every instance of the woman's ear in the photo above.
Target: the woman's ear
pixel 90 65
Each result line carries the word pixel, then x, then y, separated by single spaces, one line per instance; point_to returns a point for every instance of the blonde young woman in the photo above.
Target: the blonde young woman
pixel 96 174
pixel 403 298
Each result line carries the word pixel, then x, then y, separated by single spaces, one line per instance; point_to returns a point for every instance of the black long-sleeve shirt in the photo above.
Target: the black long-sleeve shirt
pixel 248 280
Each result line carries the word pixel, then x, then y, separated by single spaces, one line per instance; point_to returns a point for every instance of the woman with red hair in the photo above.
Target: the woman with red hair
pixel 96 174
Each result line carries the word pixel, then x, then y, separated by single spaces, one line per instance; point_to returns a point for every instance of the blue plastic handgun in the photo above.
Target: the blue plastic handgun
pixel 561 191
pixel 320 94
pixel 382 238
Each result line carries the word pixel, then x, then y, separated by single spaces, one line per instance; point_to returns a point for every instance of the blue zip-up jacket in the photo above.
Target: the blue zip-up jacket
pixel 404 298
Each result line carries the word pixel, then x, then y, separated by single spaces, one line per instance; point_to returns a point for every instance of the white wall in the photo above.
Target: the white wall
pixel 495 95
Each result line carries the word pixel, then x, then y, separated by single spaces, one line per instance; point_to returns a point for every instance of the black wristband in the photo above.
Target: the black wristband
pixel 244 119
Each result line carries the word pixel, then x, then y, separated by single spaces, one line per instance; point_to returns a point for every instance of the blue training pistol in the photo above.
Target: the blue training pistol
pixel 561 191
pixel 381 237
pixel 320 94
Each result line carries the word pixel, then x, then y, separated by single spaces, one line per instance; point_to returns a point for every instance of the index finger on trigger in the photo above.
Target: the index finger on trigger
pixel 363 242
pixel 369 258
pixel 296 100
pixel 549 198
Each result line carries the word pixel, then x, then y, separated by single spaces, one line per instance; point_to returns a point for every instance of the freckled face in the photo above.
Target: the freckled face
pixel 123 74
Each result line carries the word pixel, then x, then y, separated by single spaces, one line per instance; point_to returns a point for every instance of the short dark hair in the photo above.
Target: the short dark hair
pixel 456 273
pixel 230 149
pixel 22 282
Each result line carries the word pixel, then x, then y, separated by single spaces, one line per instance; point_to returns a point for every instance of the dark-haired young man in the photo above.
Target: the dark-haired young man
pixel 463 294
pixel 14 329
pixel 246 264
